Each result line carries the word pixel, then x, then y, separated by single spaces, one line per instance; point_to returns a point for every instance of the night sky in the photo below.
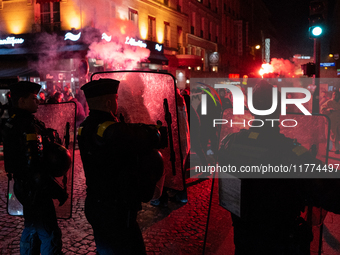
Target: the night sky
pixel 290 18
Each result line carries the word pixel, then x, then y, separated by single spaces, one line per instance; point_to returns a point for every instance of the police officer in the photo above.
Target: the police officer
pixel 270 221
pixel 33 185
pixel 121 169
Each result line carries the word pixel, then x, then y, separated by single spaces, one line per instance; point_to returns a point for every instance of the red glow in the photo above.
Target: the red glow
pixel 266 68
pixel 234 75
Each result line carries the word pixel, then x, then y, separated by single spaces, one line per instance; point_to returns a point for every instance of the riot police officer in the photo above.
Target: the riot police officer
pixel 121 169
pixel 269 221
pixel 33 185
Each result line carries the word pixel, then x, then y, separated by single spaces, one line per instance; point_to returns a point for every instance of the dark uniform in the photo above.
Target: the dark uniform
pixel 270 221
pixel 118 167
pixel 33 187
pixel 271 207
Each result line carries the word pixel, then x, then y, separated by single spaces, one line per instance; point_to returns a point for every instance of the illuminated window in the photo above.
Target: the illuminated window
pixel 179 37
pixel 133 16
pixel 151 28
pixel 50 16
pixel 166 34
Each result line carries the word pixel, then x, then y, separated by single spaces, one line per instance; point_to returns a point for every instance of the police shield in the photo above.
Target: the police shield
pixel 61 118
pixel 229 195
pixel 148 97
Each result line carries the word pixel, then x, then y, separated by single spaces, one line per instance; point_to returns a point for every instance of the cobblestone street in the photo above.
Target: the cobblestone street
pixel 177 229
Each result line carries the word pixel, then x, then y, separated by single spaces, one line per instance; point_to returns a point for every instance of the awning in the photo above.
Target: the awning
pixel 14 51
pixel 74 47
pixel 23 51
pixel 46 1
pixel 158 59
pixel 20 71
pixel 189 60
pixel 173 61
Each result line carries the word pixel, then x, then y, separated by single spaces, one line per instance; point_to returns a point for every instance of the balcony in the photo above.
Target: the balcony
pixel 189 60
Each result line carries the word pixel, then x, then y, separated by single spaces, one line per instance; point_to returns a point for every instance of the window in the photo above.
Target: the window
pixel 133 16
pixel 166 34
pixel 151 28
pixel 179 5
pixel 193 22
pixel 50 16
pixel 112 10
pixel 202 27
pixel 179 37
pixel 166 2
pixel 216 32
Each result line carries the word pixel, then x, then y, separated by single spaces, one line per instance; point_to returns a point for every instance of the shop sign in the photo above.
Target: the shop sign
pixel 11 41
pixel 72 37
pixel 234 75
pixel 327 64
pixel 132 41
pixel 49 77
pixel 158 47
pixel 106 37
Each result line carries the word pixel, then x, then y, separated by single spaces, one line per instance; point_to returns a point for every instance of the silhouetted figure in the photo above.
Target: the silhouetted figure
pixel 121 168
pixel 270 221
pixel 33 184
pixel 332 109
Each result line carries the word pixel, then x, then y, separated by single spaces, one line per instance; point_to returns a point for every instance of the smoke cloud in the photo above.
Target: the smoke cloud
pixel 285 66
pixel 102 16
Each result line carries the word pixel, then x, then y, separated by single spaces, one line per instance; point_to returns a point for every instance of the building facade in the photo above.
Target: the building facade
pixel 57 41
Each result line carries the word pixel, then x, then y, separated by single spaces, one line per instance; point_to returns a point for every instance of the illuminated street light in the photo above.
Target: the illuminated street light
pixel 330 55
pixel 257 47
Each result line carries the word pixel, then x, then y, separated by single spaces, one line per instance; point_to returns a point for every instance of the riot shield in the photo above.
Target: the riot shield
pixel 60 117
pixel 146 97
pixel 228 194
